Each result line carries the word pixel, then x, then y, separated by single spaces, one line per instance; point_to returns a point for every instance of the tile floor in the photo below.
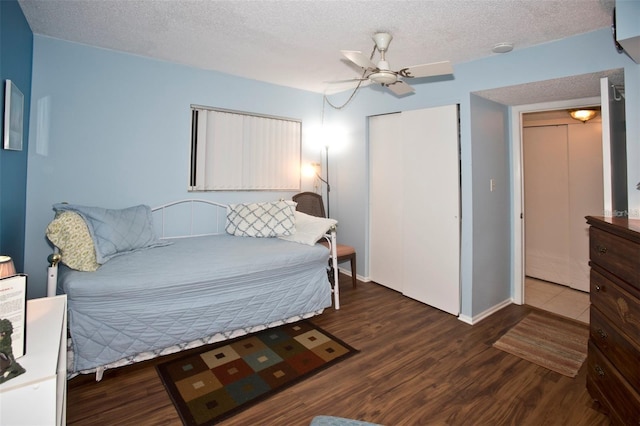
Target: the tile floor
pixel 557 298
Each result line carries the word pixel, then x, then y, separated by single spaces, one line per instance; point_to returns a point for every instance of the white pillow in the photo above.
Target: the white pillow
pixel 261 220
pixel 309 229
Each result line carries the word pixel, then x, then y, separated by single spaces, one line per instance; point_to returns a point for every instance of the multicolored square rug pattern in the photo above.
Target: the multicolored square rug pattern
pixel 220 381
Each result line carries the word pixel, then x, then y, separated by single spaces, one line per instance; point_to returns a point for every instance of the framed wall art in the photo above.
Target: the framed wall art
pixel 13 117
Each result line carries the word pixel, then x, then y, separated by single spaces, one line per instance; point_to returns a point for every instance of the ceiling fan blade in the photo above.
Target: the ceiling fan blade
pixel 337 86
pixel 359 59
pixel 400 88
pixel 350 80
pixel 427 70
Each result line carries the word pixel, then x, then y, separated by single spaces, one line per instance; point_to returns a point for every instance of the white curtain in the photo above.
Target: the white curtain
pixel 236 151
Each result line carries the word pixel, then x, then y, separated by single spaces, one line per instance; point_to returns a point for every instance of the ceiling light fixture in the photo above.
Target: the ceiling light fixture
pixel 502 48
pixel 583 115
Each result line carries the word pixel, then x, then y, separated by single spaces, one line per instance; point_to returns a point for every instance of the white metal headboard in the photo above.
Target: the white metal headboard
pixel 190 218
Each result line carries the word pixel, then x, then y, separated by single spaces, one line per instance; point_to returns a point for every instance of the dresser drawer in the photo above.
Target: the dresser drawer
pixel 618 305
pixel 619 256
pixel 616 346
pixel 618 395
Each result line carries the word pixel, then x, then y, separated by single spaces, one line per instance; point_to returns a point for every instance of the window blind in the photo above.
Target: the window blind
pixel 235 151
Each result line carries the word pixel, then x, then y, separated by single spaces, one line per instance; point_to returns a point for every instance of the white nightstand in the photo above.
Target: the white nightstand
pixel 39 396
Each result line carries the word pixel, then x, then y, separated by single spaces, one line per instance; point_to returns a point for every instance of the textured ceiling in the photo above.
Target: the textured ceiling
pixel 297 43
pixel 560 89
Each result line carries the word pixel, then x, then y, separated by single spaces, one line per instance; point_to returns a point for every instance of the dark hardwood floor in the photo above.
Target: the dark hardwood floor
pixel 417 366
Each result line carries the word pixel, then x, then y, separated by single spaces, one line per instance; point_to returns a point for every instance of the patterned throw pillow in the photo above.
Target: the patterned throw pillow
pixel 272 219
pixel 69 232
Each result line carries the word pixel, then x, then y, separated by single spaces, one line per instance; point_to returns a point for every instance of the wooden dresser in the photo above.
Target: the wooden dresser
pixel 613 377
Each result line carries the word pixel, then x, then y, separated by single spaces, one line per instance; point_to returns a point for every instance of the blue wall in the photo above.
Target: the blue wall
pixel 112 129
pixel 16 51
pixel 491 249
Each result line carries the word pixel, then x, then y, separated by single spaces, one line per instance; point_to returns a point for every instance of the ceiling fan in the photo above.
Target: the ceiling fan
pixel 382 74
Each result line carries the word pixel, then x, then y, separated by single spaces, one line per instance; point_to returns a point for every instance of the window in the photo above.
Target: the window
pixel 236 151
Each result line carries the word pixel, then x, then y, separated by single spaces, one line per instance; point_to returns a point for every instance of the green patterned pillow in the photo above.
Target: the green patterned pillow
pixel 69 232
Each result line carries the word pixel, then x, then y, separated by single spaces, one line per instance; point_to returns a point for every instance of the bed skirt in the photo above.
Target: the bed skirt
pixel 144 356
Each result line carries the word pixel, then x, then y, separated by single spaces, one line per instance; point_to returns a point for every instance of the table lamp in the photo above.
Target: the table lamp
pixel 7 268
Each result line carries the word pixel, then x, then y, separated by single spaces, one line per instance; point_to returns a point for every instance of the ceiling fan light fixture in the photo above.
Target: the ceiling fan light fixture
pixel 389 77
pixel 583 115
pixel 384 77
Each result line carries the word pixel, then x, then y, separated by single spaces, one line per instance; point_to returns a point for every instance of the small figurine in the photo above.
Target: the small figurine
pixel 9 368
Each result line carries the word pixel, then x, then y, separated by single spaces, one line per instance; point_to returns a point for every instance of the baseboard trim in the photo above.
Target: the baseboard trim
pixel 492 310
pixel 358 277
pixel 464 318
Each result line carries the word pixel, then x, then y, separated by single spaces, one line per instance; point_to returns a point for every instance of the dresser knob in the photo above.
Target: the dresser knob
pixel 602 334
pixel 597 287
pixel 601 250
pixel 599 370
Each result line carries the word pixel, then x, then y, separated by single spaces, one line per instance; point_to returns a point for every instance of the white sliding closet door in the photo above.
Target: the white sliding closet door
pixel 546 201
pixel 415 205
pixel 385 208
pixel 562 185
pixel 585 196
pixel 431 231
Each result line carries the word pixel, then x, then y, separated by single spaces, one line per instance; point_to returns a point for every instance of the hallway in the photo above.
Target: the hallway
pixel 557 298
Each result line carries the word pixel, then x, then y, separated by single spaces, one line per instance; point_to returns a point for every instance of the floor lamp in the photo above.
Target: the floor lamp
pixel 326 158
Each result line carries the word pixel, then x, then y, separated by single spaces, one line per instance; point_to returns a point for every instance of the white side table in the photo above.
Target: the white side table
pixel 39 396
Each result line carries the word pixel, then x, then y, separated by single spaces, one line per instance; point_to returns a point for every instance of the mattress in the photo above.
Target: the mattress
pixel 199 286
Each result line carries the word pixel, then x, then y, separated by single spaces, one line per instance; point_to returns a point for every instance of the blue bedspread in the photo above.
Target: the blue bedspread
pixel 196 287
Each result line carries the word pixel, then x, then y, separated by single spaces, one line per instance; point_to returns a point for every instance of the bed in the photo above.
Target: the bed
pixel 178 291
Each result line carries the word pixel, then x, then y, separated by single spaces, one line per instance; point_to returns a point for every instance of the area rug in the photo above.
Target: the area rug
pixel 223 379
pixel 554 343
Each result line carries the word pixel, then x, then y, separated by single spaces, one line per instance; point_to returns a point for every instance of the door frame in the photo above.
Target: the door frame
pixel 517 184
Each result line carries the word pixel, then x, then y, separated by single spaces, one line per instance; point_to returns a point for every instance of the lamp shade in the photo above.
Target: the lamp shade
pixel 6 267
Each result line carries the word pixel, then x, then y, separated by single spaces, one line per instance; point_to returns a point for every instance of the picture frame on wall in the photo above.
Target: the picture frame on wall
pixel 13 117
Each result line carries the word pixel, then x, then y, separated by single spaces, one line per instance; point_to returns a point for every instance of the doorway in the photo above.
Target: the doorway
pixel 563 183
pixel 518 112
pixel 561 93
pixel 562 170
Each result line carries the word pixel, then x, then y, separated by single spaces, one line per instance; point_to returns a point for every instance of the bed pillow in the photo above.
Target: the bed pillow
pixel 271 219
pixel 115 232
pixel 309 229
pixel 69 232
